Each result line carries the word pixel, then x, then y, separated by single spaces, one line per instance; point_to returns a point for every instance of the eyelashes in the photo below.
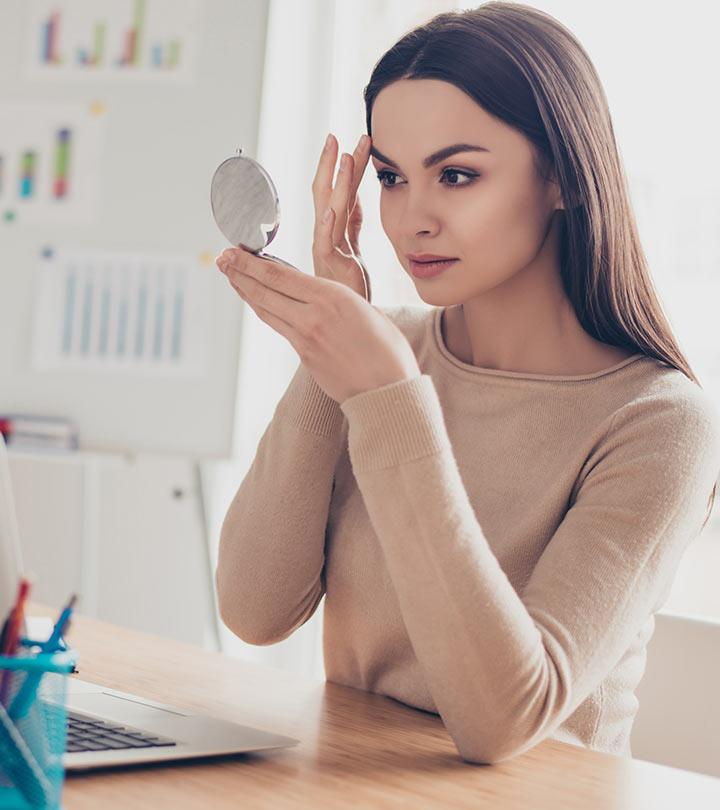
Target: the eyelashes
pixel 384 173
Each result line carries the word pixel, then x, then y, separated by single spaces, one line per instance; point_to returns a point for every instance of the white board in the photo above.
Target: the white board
pixel 112 311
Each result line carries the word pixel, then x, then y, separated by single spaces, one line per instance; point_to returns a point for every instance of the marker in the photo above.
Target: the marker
pixel 11 631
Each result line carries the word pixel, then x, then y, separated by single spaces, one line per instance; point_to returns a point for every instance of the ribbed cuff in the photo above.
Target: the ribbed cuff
pixel 394 424
pixel 306 405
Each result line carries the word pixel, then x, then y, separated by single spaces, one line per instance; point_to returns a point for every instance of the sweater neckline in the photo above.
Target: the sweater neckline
pixel 449 359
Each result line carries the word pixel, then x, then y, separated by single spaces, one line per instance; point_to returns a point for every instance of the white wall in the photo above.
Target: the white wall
pixel 123 532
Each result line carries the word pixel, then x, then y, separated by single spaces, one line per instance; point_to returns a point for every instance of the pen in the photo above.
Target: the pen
pixel 11 633
pixel 3 635
pixel 11 628
pixel 53 643
pixel 26 694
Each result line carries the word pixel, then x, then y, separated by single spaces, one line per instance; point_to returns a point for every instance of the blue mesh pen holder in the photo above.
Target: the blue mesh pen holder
pixel 33 726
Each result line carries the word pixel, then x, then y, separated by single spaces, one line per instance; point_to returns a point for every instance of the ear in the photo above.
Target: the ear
pixel 555 194
pixel 571 199
pixel 559 201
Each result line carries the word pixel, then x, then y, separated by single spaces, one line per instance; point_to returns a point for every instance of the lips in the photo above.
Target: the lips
pixel 429 269
pixel 424 258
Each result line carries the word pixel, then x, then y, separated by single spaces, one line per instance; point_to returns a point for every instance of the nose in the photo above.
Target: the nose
pixel 418 217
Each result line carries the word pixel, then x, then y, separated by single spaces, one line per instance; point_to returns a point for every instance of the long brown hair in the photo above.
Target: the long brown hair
pixel 525 68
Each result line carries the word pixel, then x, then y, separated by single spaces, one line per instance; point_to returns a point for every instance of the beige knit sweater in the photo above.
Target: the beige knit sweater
pixel 491 545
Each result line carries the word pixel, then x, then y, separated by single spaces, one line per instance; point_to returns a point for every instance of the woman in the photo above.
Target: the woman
pixel 493 494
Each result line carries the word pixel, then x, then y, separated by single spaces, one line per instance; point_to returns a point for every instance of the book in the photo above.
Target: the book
pixel 34 431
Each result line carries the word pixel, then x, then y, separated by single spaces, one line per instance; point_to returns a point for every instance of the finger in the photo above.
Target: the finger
pixel 354 225
pixel 281 278
pixel 342 199
pixel 327 245
pixel 340 196
pixel 322 182
pixel 280 306
pixel 360 161
pixel 323 192
pixel 327 250
pixel 223 260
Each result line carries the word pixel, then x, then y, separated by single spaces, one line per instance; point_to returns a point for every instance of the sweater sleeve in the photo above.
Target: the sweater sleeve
pixel 505 670
pixel 270 569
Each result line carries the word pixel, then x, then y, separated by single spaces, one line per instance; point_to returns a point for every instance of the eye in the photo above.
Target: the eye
pixel 384 173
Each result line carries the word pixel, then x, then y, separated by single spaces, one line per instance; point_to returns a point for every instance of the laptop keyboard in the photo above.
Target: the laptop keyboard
pixel 86 733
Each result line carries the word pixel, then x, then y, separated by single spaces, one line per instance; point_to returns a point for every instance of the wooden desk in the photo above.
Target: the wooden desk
pixel 358 749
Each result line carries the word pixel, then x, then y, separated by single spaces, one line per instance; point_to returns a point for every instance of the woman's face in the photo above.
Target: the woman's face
pixel 490 209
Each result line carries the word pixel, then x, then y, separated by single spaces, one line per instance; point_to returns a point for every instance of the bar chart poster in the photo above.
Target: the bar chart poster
pixel 50 163
pixel 123 40
pixel 118 312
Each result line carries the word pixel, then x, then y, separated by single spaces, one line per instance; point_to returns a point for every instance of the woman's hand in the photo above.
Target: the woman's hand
pixel 344 264
pixel 346 343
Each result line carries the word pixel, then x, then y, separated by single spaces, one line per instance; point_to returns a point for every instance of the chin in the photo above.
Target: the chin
pixel 437 298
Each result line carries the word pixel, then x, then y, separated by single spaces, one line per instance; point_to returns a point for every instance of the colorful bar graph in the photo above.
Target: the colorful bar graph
pixel 83 55
pixel 105 318
pixel 126 58
pixel 69 310
pixel 134 36
pixel 141 318
pixel 138 29
pixel 130 312
pixel 27 174
pixel 29 184
pixel 162 54
pixel 86 314
pixel 174 55
pixel 62 163
pixel 99 44
pixel 49 34
pixel 177 324
pixel 159 317
pixel 173 58
pixel 122 325
pixel 139 300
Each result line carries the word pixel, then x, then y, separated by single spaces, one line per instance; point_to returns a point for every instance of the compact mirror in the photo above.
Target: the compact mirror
pixel 245 204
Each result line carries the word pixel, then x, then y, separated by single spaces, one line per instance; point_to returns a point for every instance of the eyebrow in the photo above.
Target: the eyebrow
pixel 435 157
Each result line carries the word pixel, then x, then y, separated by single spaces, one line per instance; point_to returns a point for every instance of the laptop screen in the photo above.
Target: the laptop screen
pixel 10 557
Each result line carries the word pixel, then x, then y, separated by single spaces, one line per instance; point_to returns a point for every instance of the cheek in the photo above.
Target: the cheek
pixel 389 219
pixel 388 216
pixel 505 230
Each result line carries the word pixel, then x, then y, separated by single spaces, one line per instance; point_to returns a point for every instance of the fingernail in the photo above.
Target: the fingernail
pixel 327 141
pixel 343 161
pixel 326 215
pixel 364 140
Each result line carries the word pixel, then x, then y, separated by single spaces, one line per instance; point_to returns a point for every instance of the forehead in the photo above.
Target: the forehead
pixel 413 117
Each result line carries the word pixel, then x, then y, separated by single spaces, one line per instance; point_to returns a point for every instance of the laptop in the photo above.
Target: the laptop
pixel 107 727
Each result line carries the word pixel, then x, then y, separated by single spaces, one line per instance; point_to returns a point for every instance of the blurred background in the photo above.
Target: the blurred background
pixel 114 115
